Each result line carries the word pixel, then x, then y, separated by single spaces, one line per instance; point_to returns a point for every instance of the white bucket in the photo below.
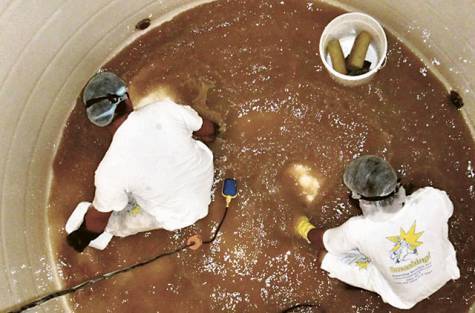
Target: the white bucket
pixel 345 28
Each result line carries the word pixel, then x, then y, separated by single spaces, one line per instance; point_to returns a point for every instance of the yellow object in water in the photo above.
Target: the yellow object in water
pixel 303 227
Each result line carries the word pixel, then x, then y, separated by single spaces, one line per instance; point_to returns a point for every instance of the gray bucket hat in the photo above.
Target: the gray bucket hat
pixel 102 94
pixel 370 176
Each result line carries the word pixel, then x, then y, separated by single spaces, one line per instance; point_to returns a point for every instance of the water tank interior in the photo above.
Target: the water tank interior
pixel 50 49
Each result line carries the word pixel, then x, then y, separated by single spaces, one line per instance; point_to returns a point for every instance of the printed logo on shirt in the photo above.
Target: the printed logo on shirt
pixel 405 245
pixel 135 211
pixel 405 254
pixel 355 257
pixel 363 264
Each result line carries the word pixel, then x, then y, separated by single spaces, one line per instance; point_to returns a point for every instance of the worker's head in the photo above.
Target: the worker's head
pixel 103 96
pixel 370 178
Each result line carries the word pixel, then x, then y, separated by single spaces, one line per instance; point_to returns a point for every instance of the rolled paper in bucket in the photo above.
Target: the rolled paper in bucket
pixel 345 28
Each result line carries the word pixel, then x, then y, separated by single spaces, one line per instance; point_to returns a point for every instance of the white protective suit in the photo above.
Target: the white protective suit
pixel 402 254
pixel 154 174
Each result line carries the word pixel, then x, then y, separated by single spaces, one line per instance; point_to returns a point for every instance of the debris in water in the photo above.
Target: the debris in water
pixel 456 99
pixel 143 24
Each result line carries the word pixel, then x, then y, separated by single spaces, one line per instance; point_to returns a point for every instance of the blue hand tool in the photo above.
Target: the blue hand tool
pixel 230 190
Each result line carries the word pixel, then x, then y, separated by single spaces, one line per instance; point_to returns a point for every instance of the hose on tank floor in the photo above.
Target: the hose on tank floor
pixel 229 192
pixel 296 308
pixel 99 278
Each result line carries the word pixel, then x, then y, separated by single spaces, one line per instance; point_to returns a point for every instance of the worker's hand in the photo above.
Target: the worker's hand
pixel 207 132
pixel 315 236
pixel 80 238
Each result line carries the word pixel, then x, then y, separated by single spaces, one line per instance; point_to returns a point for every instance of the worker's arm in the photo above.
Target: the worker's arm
pixel 338 240
pixel 310 232
pixel 207 132
pixel 344 238
pixel 202 128
pixel 96 221
pixel 315 236
pixel 110 195
pixel 93 225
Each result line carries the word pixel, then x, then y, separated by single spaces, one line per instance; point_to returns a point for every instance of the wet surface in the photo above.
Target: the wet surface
pixel 254 67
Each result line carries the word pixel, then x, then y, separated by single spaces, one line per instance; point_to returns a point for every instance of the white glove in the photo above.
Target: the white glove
pixel 77 217
pixel 101 242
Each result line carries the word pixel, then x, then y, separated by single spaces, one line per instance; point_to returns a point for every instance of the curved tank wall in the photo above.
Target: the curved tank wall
pixel 49 49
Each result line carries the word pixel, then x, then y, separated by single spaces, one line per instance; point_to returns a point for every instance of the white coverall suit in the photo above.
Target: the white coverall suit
pixel 154 174
pixel 404 255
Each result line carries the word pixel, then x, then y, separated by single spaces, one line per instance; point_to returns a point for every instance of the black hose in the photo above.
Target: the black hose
pixel 218 228
pixel 299 306
pixel 99 278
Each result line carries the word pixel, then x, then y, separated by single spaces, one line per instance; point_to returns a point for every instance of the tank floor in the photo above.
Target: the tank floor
pixel 253 65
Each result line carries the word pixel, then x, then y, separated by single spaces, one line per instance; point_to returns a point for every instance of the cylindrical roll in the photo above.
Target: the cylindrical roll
pixel 337 57
pixel 358 52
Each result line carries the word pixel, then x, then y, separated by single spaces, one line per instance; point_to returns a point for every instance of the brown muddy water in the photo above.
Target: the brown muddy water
pixel 253 65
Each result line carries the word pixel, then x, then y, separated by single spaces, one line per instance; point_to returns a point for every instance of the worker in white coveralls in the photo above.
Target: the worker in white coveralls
pixel 154 175
pixel 399 247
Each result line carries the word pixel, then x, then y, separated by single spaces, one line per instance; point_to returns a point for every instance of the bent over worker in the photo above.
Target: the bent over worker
pixel 154 174
pixel 399 247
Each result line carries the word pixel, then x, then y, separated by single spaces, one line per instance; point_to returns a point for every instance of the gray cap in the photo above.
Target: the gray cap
pixel 370 176
pixel 102 94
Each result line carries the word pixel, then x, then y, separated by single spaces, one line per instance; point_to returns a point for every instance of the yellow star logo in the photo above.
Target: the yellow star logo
pixel 362 264
pixel 411 237
pixel 135 211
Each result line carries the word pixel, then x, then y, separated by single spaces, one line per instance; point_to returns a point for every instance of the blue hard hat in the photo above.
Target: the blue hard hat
pixel 102 94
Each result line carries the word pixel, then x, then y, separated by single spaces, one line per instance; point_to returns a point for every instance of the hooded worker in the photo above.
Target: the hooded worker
pixel 154 175
pixel 399 247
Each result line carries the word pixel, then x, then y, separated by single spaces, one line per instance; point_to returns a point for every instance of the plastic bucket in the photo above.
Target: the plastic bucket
pixel 345 28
